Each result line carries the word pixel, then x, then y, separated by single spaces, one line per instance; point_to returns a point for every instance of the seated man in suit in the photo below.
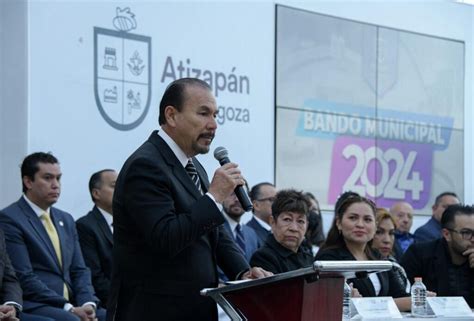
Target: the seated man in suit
pixel 95 231
pixel 402 212
pixel 44 248
pixel 446 264
pixel 431 230
pixel 262 196
pixel 10 290
pixel 244 236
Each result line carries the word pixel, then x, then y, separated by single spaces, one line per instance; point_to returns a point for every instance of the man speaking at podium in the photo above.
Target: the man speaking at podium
pixel 168 233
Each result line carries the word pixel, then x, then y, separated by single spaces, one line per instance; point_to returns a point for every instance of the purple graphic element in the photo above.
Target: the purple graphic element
pixel 394 156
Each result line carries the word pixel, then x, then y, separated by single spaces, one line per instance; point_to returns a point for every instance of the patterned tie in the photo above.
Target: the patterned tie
pixel 239 237
pixel 53 236
pixel 192 172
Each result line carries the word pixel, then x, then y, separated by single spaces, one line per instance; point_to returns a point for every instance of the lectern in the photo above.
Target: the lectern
pixel 308 294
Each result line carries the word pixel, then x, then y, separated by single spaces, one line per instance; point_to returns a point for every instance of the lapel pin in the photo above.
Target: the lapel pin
pixel 61 223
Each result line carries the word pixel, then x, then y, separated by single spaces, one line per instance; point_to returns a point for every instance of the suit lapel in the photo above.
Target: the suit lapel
pixel 202 175
pixel 178 170
pixel 102 224
pixel 39 229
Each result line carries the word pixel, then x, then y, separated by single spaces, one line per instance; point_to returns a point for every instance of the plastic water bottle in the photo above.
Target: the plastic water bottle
pixel 346 302
pixel 419 306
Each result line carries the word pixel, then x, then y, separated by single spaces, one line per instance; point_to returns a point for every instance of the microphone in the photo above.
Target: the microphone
pixel 221 154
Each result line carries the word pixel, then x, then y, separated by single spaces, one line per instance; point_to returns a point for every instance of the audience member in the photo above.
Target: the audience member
pixel 315 234
pixel 244 236
pixel 289 221
pixel 349 239
pixel 43 245
pixel 431 230
pixel 95 231
pixel 10 290
pixel 168 233
pixel 446 264
pixel 384 240
pixel 262 196
pixel 403 214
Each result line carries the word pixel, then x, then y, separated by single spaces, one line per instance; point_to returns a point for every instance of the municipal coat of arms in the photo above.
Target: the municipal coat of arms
pixel 122 72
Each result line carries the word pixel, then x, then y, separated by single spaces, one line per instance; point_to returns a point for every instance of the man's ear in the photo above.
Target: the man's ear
pixel 96 193
pixel 170 115
pixel 28 182
pixel 255 204
pixel 446 234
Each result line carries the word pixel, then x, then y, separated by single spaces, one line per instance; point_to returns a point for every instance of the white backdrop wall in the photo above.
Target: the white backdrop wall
pixel 56 87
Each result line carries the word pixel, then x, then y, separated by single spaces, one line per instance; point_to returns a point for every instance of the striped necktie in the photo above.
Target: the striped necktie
pixel 192 172
pixel 239 237
pixel 53 236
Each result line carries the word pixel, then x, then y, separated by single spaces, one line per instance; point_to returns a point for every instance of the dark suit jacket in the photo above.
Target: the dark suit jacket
pixel 251 239
pixel 96 241
pixel 390 285
pixel 10 289
pixel 276 258
pixel 431 260
pixel 35 261
pixel 430 231
pixel 261 232
pixel 167 240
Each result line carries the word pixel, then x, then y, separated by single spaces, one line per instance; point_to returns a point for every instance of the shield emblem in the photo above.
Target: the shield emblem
pixel 122 77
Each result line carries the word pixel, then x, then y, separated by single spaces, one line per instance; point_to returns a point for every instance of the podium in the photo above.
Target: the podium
pixel 309 294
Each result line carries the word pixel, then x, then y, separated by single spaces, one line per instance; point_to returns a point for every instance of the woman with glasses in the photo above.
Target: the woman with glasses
pixel 289 221
pixel 350 238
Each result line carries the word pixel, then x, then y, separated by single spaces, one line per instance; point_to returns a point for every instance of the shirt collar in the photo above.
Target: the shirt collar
pixel 177 151
pixel 38 211
pixel 263 224
pixel 231 222
pixel 107 216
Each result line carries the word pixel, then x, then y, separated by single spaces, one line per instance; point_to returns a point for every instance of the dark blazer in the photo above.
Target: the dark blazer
pixel 251 239
pixel 168 240
pixel 430 231
pixel 35 261
pixel 96 241
pixel 276 258
pixel 430 260
pixel 261 232
pixel 390 285
pixel 10 289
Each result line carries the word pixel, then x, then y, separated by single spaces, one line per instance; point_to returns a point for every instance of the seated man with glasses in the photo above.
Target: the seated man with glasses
pixel 262 196
pixel 446 264
pixel 289 221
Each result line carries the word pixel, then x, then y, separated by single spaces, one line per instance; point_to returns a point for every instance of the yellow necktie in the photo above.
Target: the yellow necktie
pixel 53 236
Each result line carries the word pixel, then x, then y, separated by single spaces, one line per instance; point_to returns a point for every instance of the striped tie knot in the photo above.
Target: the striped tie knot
pixel 192 172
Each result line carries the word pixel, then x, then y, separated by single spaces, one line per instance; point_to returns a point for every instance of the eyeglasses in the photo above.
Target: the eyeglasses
pixel 269 199
pixel 465 234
